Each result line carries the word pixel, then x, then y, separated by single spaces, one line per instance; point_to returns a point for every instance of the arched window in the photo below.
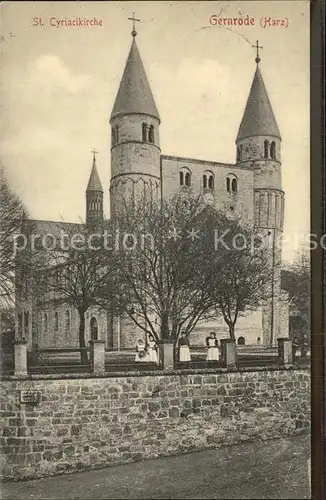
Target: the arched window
pixel 151 134
pixel 185 177
pixel 232 184
pixel 116 133
pixel 266 144
pixel 20 322
pixel 144 132
pixel 67 321
pixel 273 150
pixel 26 320
pixel 56 321
pixel 241 341
pixel 258 340
pixel 94 328
pixel 45 322
pixel 208 180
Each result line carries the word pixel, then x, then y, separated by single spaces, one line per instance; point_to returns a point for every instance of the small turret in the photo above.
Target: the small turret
pixel 94 196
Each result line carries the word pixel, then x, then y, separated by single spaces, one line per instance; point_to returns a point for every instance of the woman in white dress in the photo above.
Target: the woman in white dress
pixel 184 351
pixel 141 353
pixel 212 348
pixel 152 350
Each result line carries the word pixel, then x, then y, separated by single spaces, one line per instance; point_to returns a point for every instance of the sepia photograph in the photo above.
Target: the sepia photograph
pixel 155 320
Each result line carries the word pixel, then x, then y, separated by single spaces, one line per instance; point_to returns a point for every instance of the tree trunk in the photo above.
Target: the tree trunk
pixel 232 331
pixel 82 344
pixel 165 326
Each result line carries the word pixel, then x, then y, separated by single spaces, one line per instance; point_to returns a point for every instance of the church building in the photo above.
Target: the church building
pixel 250 186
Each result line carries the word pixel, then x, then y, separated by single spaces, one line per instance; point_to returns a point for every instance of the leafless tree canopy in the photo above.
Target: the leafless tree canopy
pixel 296 280
pixel 169 275
pixel 11 216
pixel 72 273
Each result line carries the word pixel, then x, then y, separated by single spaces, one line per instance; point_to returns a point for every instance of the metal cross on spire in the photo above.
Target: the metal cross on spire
pixel 94 153
pixel 133 19
pixel 257 47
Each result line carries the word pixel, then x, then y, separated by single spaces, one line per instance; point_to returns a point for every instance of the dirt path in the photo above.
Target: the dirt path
pixel 273 469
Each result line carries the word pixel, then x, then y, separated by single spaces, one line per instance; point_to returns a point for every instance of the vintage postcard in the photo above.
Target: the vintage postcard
pixel 155 249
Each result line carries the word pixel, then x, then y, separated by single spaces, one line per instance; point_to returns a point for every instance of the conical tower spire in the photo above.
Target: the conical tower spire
pixel 258 117
pixel 134 94
pixel 94 196
pixel 94 183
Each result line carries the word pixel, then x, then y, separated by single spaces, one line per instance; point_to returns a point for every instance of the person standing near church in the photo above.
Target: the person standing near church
pixel 212 348
pixel 184 351
pixel 152 350
pixel 141 352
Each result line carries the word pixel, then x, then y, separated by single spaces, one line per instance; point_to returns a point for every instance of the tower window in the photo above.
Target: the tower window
pixel 56 321
pixel 20 322
pixel 116 134
pixel 45 322
pixel 151 134
pixel 211 182
pixel 204 181
pixel 144 132
pixel 67 321
pixel 26 320
pixel 113 139
pixel 232 184
pixel 266 144
pixel 185 177
pixel 273 150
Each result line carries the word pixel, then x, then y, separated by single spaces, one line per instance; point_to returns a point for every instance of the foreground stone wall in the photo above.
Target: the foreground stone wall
pixel 91 422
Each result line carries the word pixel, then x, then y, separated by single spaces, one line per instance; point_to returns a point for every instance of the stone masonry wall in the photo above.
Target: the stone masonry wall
pixel 91 422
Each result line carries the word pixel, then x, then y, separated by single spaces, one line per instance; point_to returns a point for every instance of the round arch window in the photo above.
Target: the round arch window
pixel 94 328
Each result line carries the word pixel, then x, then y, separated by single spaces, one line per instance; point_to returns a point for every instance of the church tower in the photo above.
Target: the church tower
pixel 94 196
pixel 259 149
pixel 135 143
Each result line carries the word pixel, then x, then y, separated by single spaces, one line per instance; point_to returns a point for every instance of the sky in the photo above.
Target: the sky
pixel 58 86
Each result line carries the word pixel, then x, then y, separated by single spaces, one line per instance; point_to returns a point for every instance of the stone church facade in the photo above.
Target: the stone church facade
pixel 250 187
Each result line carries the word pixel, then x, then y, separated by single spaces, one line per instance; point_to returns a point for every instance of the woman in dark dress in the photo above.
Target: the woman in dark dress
pixel 184 351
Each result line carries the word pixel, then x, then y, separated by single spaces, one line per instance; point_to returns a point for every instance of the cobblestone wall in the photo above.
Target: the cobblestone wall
pixel 90 422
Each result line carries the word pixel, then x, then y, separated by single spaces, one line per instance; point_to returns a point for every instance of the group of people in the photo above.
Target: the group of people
pixel 148 352
pixel 213 352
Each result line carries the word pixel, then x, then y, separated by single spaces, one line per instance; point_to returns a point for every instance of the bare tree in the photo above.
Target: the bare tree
pixel 246 279
pixel 72 272
pixel 11 218
pixel 296 279
pixel 166 265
